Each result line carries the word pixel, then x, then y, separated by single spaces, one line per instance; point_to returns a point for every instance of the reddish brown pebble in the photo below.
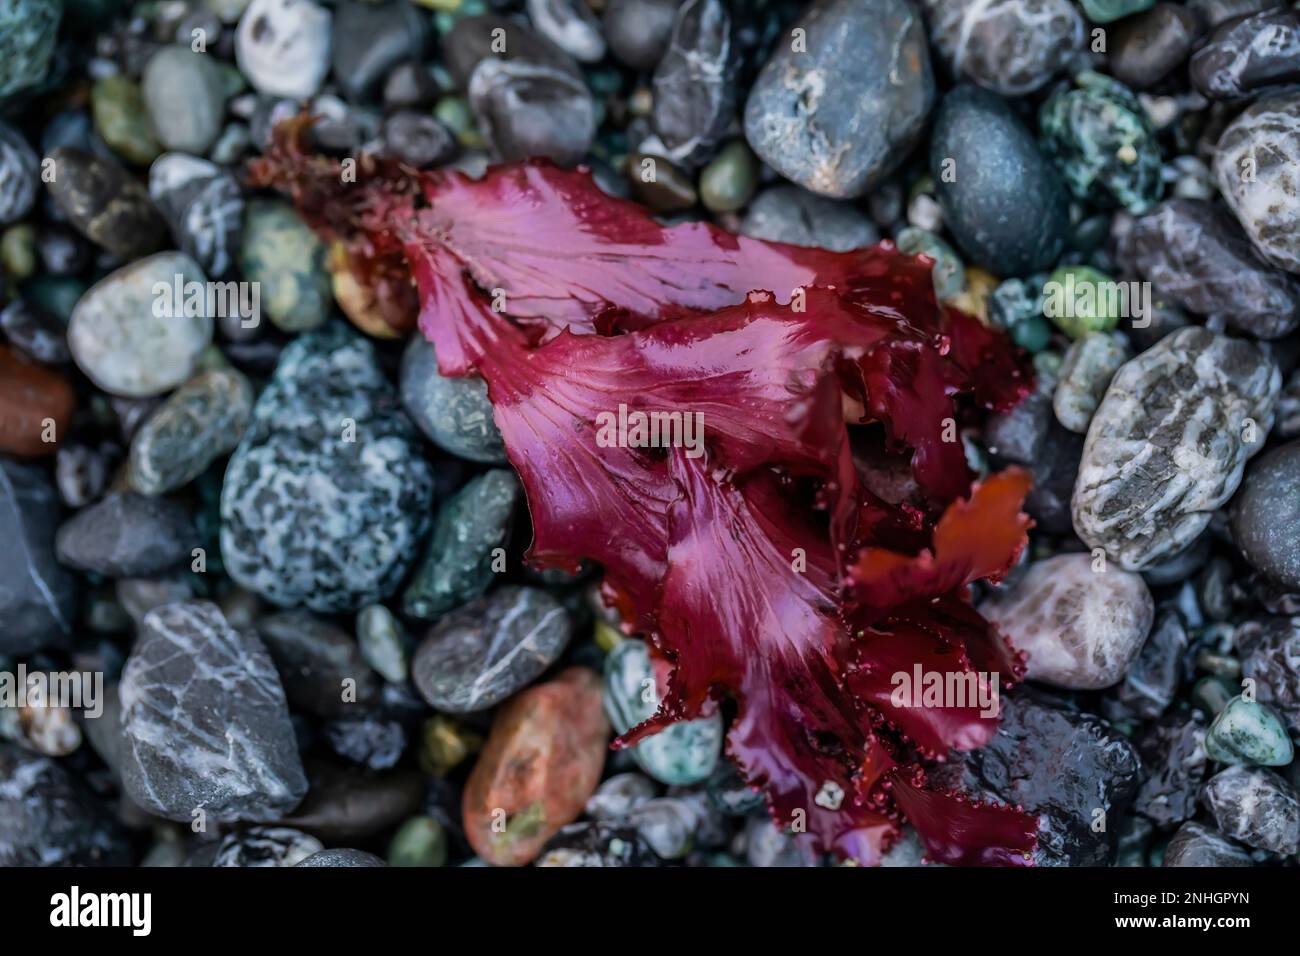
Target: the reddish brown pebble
pixel 542 761
pixel 35 406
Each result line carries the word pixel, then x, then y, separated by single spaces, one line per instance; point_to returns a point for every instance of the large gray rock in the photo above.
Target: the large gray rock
pixel 1169 444
pixel 1079 627
pixel 327 497
pixel 837 116
pixel 204 721
pixel 37 595
pixel 1197 845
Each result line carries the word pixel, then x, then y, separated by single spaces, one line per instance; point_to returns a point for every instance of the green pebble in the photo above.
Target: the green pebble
pixel 1079 300
pixel 729 180
pixel 18 251
pixel 1102 141
pixel 1106 11
pixel 949 274
pixel 1248 732
pixel 288 262
pixel 122 119
pixel 1032 334
pixel 420 841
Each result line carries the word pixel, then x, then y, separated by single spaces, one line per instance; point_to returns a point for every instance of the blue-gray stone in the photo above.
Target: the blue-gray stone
pixel 1002 200
pixel 454 413
pixel 838 113
pixel 463 550
pixel 19 173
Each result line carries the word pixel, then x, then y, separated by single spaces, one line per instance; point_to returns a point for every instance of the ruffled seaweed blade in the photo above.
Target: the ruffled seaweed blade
pixel 760 564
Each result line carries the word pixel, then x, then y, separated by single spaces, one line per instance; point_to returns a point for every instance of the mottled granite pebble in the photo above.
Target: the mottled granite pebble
pixel 1169 444
pixel 266 846
pixel 327 497
pixel 204 721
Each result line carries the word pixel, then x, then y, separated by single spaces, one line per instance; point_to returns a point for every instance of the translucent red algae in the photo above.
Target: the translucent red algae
pixel 766 570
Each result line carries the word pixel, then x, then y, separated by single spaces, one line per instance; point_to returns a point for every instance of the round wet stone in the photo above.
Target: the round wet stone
pixel 1248 732
pixel 1266 515
pixel 287 262
pixel 319 663
pixel 454 413
pixel 198 423
pixel 1249 55
pixel 681 754
pixel 266 846
pixel 383 642
pixel 1255 167
pixel 1146 48
pixel 484 652
pixel 1089 365
pixel 840 138
pixel 466 549
pixel 638 31
pixel 369 39
pixel 140 331
pixel 695 83
pixel 727 183
pixel 36 406
pixel 948 273
pixel 1003 202
pixel 532 109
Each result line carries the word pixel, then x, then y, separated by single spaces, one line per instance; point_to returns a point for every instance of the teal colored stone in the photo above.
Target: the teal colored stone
pixel 1101 140
pixel 27 32
pixel 1106 11
pixel 1032 334
pixel 287 261
pixel 949 274
pixel 56 295
pixel 460 563
pixel 1079 300
pixel 1015 300
pixel 1211 694
pixel 681 754
pixel 1248 732
pixel 728 182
